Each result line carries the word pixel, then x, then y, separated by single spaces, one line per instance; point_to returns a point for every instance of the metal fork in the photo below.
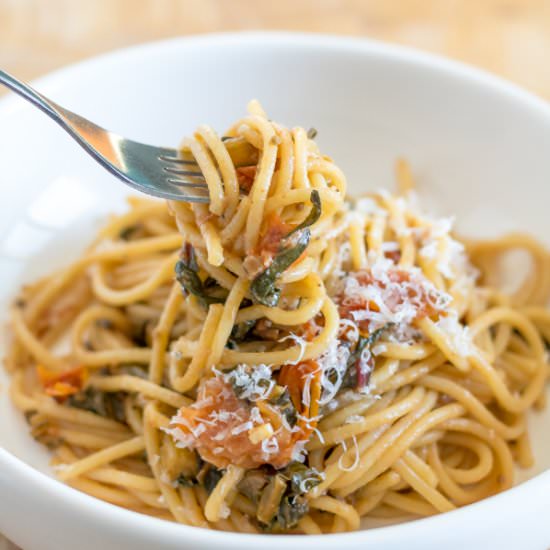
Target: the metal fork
pixel 158 171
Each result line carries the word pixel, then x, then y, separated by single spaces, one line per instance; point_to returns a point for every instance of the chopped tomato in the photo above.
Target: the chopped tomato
pixel 423 297
pixel 271 241
pixel 393 255
pixel 246 176
pixel 273 234
pixel 309 330
pixel 268 245
pixel 295 377
pixel 303 381
pixel 218 424
pixel 62 384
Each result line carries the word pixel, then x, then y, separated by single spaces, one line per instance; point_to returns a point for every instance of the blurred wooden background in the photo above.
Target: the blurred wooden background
pixel 508 37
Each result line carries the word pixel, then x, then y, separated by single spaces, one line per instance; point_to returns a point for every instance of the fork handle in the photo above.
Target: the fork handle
pixel 30 94
pixel 80 128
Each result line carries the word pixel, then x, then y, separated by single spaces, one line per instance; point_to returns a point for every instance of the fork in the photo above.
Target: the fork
pixel 158 171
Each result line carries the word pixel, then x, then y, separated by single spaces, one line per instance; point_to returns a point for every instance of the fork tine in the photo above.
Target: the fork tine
pixel 193 198
pixel 179 172
pixel 185 183
pixel 192 195
pixel 177 160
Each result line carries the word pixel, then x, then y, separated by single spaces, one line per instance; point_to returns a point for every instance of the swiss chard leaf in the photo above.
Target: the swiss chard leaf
pixel 187 275
pixel 184 481
pixel 253 483
pixel 374 336
pixel 291 510
pixel 314 213
pixel 263 287
pixel 302 479
pixel 293 504
pixel 127 233
pixel 241 330
pixel 284 403
pixel 211 479
pixel 351 378
pixel 312 133
pixel 108 405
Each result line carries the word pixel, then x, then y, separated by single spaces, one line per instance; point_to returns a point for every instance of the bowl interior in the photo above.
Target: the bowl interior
pixel 478 149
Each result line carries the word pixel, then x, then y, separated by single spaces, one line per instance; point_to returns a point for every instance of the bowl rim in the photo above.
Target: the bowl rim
pixel 102 511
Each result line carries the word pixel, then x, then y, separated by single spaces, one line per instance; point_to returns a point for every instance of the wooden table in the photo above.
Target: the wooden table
pixel 508 37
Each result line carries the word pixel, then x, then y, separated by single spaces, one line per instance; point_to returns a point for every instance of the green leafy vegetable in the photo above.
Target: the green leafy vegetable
pixel 279 496
pixel 141 331
pixel 263 287
pixel 241 330
pixel 291 510
pixel 242 378
pixel 284 403
pixel 187 275
pixel 183 481
pixel 211 478
pixel 129 232
pixel 269 503
pixel 312 133
pixel 43 431
pixel 314 213
pixel 355 376
pixel 106 404
pixel 302 479
pixel 374 336
pixel 253 483
pixel 292 503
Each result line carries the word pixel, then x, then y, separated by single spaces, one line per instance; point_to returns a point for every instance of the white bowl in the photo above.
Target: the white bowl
pixel 478 146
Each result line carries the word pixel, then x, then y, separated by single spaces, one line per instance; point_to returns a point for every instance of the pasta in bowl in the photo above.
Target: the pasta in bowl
pixel 285 359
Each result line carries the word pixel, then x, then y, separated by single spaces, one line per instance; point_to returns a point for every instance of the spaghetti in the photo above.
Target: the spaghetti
pixel 283 359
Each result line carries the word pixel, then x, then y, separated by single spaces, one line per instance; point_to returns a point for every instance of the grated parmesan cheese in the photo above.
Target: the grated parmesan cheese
pixel 198 430
pixel 355 461
pixel 367 205
pixel 459 335
pixel 318 433
pixel 397 296
pixel 379 349
pixel 256 416
pixel 270 446
pixel 349 329
pixel 298 340
pixel 354 419
pixel 182 440
pixel 245 426
pixel 225 511
pixel 299 452
pixel 333 364
pixel 251 382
